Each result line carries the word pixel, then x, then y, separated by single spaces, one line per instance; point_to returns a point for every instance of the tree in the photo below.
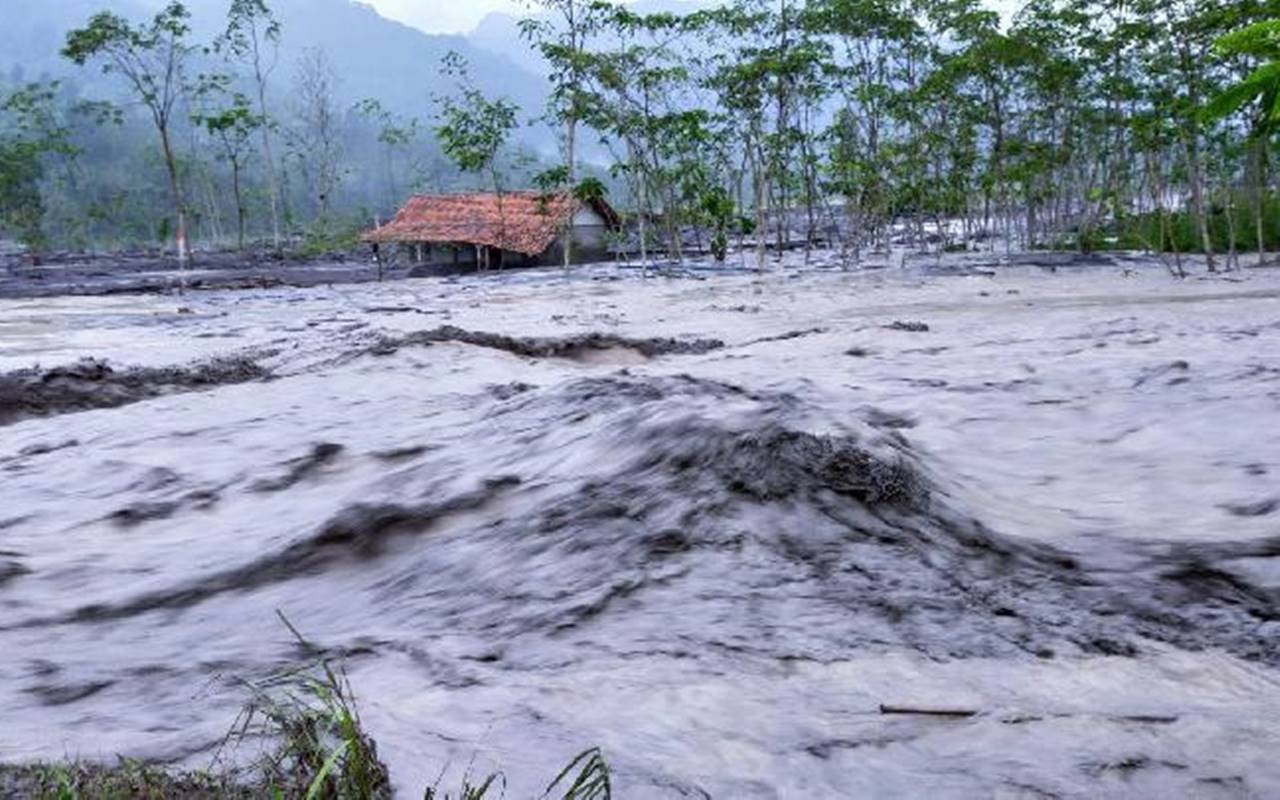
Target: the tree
pixel 317 138
pixel 232 124
pixel 21 202
pixel 1259 88
pixel 36 132
pixel 151 57
pixel 396 136
pixel 252 37
pixel 1259 41
pixel 473 128
pixel 562 43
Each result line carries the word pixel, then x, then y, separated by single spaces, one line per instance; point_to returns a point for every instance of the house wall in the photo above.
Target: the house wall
pixel 590 236
pixel 440 255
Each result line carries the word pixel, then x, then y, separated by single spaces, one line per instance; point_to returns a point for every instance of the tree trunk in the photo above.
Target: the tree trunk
pixel 273 182
pixel 1259 181
pixel 240 211
pixel 758 184
pixel 179 200
pixel 1197 199
pixel 570 163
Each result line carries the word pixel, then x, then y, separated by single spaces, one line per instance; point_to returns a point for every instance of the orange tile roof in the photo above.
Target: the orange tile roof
pixel 520 222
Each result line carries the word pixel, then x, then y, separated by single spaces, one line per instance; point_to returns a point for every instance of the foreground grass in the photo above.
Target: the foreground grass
pixel 127 779
pixel 320 751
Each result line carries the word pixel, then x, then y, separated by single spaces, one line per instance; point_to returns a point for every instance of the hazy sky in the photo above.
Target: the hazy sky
pixel 455 16
pixel 443 16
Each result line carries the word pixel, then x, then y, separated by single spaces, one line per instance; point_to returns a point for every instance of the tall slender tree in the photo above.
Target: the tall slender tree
pixel 252 37
pixel 561 35
pixel 152 58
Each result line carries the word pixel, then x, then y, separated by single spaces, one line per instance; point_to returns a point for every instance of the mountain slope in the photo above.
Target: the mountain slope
pixel 33 31
pixel 372 55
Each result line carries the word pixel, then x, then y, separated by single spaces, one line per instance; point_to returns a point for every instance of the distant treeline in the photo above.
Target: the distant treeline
pixel 1149 124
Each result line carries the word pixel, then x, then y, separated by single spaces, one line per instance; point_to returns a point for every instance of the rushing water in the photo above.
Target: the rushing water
pixel 710 526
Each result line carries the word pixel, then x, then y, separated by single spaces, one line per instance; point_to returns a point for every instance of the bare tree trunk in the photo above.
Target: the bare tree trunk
pixel 273 180
pixel 179 201
pixel 240 211
pixel 571 164
pixel 1192 145
pixel 1259 181
pixel 758 185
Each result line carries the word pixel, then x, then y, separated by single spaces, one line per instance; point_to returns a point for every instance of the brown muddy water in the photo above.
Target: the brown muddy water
pixel 713 524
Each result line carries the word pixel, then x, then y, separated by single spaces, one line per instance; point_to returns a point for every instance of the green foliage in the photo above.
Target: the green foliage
pixel 21 202
pixel 327 240
pixel 718 212
pixel 311 714
pixel 36 133
pixel 1259 41
pixel 589 190
pixel 151 59
pixel 590 782
pixel 473 128
pixel 551 180
pixel 1178 231
pixel 128 779
pixel 128 49
pixel 250 25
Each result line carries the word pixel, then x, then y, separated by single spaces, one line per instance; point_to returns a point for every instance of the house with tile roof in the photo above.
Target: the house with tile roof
pixel 515 229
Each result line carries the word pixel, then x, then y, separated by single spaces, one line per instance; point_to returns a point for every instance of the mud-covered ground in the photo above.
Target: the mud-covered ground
pixel 63 274
pixel 728 527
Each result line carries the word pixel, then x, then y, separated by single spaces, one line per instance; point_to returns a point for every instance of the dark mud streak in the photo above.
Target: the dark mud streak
pixel 405 453
pixel 299 469
pixel 139 513
pixel 358 532
pixel 65 694
pixel 12 569
pixel 787 337
pixel 45 448
pixel 1260 508
pixel 544 347
pixel 908 326
pixel 92 384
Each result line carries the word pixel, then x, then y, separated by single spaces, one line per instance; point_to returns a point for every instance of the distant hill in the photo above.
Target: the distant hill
pixel 372 55
pixel 32 32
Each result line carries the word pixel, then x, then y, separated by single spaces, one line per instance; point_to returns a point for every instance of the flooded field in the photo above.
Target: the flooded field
pixel 737 530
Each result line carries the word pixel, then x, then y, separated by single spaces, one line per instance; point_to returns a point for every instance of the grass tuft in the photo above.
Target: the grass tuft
pixel 319 751
pixel 322 748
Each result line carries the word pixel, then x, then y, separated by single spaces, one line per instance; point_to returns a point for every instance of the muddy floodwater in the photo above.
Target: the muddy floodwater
pixel 715 524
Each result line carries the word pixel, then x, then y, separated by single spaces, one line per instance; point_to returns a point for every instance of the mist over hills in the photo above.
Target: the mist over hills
pixel 372 56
